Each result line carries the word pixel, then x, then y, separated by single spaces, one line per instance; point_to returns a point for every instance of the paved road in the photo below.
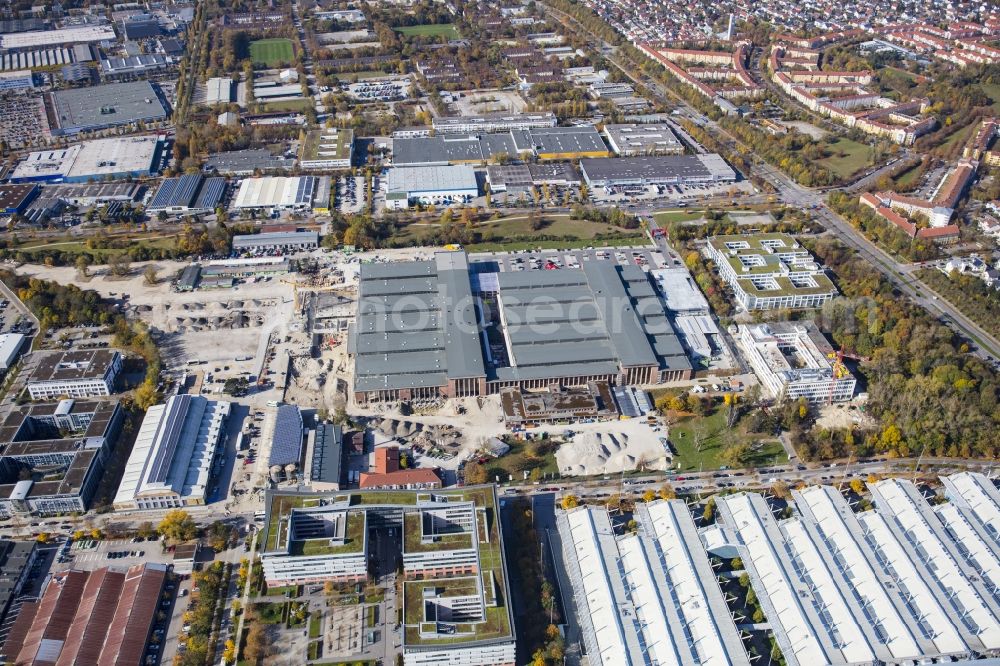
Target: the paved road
pixel 793 194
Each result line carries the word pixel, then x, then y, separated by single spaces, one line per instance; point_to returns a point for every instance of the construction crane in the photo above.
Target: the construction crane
pixel 297 287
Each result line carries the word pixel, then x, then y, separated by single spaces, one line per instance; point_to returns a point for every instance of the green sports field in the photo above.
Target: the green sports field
pixel 272 52
pixel 431 30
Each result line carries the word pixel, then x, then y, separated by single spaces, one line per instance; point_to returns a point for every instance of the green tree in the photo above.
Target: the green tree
pixel 177 525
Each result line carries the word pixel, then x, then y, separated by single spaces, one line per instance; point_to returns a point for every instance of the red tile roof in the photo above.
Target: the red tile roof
pixel 99 618
pixel 404 478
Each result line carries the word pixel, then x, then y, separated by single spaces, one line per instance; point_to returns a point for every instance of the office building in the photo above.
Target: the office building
pixel 105 616
pixel 388 474
pixel 327 149
pixel 175 455
pixel 74 374
pixel 455 591
pixel 188 195
pixel 417 334
pixel 437 185
pixel 770 271
pixel 54 455
pixel 650 597
pixel 794 360
pixel 663 170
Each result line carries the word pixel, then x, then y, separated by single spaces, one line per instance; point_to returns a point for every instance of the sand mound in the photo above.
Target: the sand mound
pixel 606 453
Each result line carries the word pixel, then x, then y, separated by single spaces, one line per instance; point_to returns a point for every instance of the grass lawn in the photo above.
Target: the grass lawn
pixel 515 233
pixel 992 90
pixel 663 218
pixel 315 622
pixel 271 613
pixel 517 461
pixel 272 52
pixel 908 178
pixel 37 248
pixel 856 156
pixel 512 246
pixel 556 225
pixel 712 428
pixel 289 105
pixel 431 30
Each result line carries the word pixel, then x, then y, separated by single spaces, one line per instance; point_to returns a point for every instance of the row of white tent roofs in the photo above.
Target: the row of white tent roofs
pixel 904 583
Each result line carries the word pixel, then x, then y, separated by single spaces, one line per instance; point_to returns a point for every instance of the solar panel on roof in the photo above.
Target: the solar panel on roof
pixel 185 190
pixel 164 194
pixel 211 193
pixel 286 442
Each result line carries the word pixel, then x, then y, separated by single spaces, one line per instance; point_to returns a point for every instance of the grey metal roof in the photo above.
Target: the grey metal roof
pixel 620 318
pixel 461 325
pixel 663 168
pixel 412 181
pixel 560 323
pixel 107 105
pixel 416 324
pixel 286 441
pixel 327 453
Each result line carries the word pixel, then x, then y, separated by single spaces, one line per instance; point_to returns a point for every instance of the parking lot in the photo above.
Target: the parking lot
pixel 619 194
pixel 379 90
pixel 644 257
pixel 350 194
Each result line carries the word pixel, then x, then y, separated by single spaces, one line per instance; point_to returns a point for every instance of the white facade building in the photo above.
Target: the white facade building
pixel 902 584
pixel 174 455
pixel 794 360
pixel 626 590
pixel 770 272
pixel 10 349
pixel 438 185
pixel 76 374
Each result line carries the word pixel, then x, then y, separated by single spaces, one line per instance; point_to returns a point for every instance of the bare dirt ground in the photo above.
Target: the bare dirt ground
pixel 841 416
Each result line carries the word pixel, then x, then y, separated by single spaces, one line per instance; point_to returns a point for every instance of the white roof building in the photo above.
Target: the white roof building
pixel 10 347
pixel 73 35
pixel 904 583
pixel 171 460
pixel 276 193
pixel 649 597
pixel 219 91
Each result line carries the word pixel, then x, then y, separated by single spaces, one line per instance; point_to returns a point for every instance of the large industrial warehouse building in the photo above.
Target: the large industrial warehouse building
pixel 625 590
pixel 903 584
pixel 438 185
pixel 909 582
pixel 111 105
pixel 274 193
pixel 174 454
pixel 417 334
pixel 100 159
pixel 661 170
